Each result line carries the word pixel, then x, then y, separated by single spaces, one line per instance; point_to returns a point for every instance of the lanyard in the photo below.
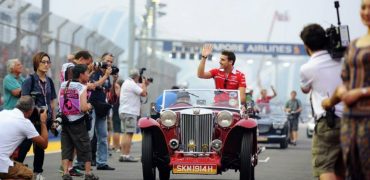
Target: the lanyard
pixel 43 90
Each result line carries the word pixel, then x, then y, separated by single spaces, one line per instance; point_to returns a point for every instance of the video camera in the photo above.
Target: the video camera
pixel 104 65
pixel 141 76
pixel 338 37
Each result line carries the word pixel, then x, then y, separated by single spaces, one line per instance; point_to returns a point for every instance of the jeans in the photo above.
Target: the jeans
pixel 99 124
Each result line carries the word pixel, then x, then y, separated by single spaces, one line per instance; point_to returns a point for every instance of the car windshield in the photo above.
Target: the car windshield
pixel 185 98
pixel 270 109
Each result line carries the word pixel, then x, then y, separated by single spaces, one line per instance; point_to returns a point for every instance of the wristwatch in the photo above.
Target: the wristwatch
pixel 363 91
pixel 204 57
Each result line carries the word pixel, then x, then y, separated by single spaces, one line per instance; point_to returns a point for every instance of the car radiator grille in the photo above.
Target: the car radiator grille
pixel 198 128
pixel 264 128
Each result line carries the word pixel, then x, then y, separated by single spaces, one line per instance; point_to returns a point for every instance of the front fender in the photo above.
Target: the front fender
pixel 147 122
pixel 160 147
pixel 234 137
pixel 246 123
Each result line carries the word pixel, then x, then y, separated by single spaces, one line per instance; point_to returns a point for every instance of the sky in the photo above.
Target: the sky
pixel 226 20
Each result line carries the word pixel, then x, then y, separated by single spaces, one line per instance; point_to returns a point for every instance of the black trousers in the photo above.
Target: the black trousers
pixel 39 153
pixel 94 142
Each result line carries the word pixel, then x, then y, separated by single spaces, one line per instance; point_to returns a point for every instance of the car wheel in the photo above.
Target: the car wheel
pixel 284 144
pixel 308 134
pixel 246 151
pixel 164 173
pixel 147 156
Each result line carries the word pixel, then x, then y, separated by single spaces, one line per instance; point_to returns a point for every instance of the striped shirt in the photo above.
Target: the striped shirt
pixel 356 74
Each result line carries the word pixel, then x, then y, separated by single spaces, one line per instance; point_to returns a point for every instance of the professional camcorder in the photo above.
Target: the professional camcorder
pixel 141 76
pixel 104 65
pixel 338 37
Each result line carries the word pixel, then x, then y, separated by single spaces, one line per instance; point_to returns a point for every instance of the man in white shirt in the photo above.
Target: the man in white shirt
pixel 319 77
pixel 129 111
pixel 15 127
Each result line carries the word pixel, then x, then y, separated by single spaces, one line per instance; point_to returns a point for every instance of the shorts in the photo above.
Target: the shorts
pixel 326 150
pixel 75 136
pixel 293 124
pixel 128 123
pixel 116 124
pixel 17 171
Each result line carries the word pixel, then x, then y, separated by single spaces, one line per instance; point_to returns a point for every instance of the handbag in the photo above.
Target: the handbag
pixel 101 108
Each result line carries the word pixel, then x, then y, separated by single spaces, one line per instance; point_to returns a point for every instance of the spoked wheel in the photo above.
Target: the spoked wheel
pixel 147 156
pixel 246 168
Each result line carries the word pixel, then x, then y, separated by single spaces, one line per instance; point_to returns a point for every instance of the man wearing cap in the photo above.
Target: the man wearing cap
pixel 129 111
pixel 226 77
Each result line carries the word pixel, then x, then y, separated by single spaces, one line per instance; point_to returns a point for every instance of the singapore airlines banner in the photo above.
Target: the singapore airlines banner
pixel 239 48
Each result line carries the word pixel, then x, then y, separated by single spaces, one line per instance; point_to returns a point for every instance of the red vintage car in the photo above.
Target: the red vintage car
pixel 199 132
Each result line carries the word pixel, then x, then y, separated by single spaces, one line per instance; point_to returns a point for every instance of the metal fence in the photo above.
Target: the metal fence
pixel 25 30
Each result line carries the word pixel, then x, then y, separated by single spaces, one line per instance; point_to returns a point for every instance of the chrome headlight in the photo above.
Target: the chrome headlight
pixel 168 118
pixel 224 118
pixel 278 125
pixel 216 144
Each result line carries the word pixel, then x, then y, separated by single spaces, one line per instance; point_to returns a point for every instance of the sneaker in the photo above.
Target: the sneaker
pixel 67 177
pixel 75 172
pixel 105 167
pixel 39 176
pixel 80 167
pixel 118 150
pixel 91 176
pixel 128 158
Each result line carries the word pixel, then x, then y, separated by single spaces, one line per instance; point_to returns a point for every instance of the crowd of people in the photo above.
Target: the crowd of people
pixel 80 112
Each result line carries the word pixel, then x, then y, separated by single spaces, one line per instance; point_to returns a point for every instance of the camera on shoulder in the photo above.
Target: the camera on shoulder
pixel 338 37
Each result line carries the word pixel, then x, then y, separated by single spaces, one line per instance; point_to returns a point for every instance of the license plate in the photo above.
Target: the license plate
pixel 261 138
pixel 194 169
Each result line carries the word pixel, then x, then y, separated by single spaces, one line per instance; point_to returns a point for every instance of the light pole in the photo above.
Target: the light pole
pixel 276 17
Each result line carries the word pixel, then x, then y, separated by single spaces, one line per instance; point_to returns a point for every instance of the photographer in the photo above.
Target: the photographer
pixel 319 77
pixel 81 57
pixel 12 83
pixel 100 77
pixel 15 127
pixel 41 88
pixel 129 110
pixel 74 109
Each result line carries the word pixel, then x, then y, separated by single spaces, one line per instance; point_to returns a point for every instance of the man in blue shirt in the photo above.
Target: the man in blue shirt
pixel 12 83
pixel 98 99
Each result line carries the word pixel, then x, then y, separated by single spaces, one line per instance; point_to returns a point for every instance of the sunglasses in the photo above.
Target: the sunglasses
pixel 225 84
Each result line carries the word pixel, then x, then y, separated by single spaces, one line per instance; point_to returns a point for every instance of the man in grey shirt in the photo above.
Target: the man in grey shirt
pixel 293 107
